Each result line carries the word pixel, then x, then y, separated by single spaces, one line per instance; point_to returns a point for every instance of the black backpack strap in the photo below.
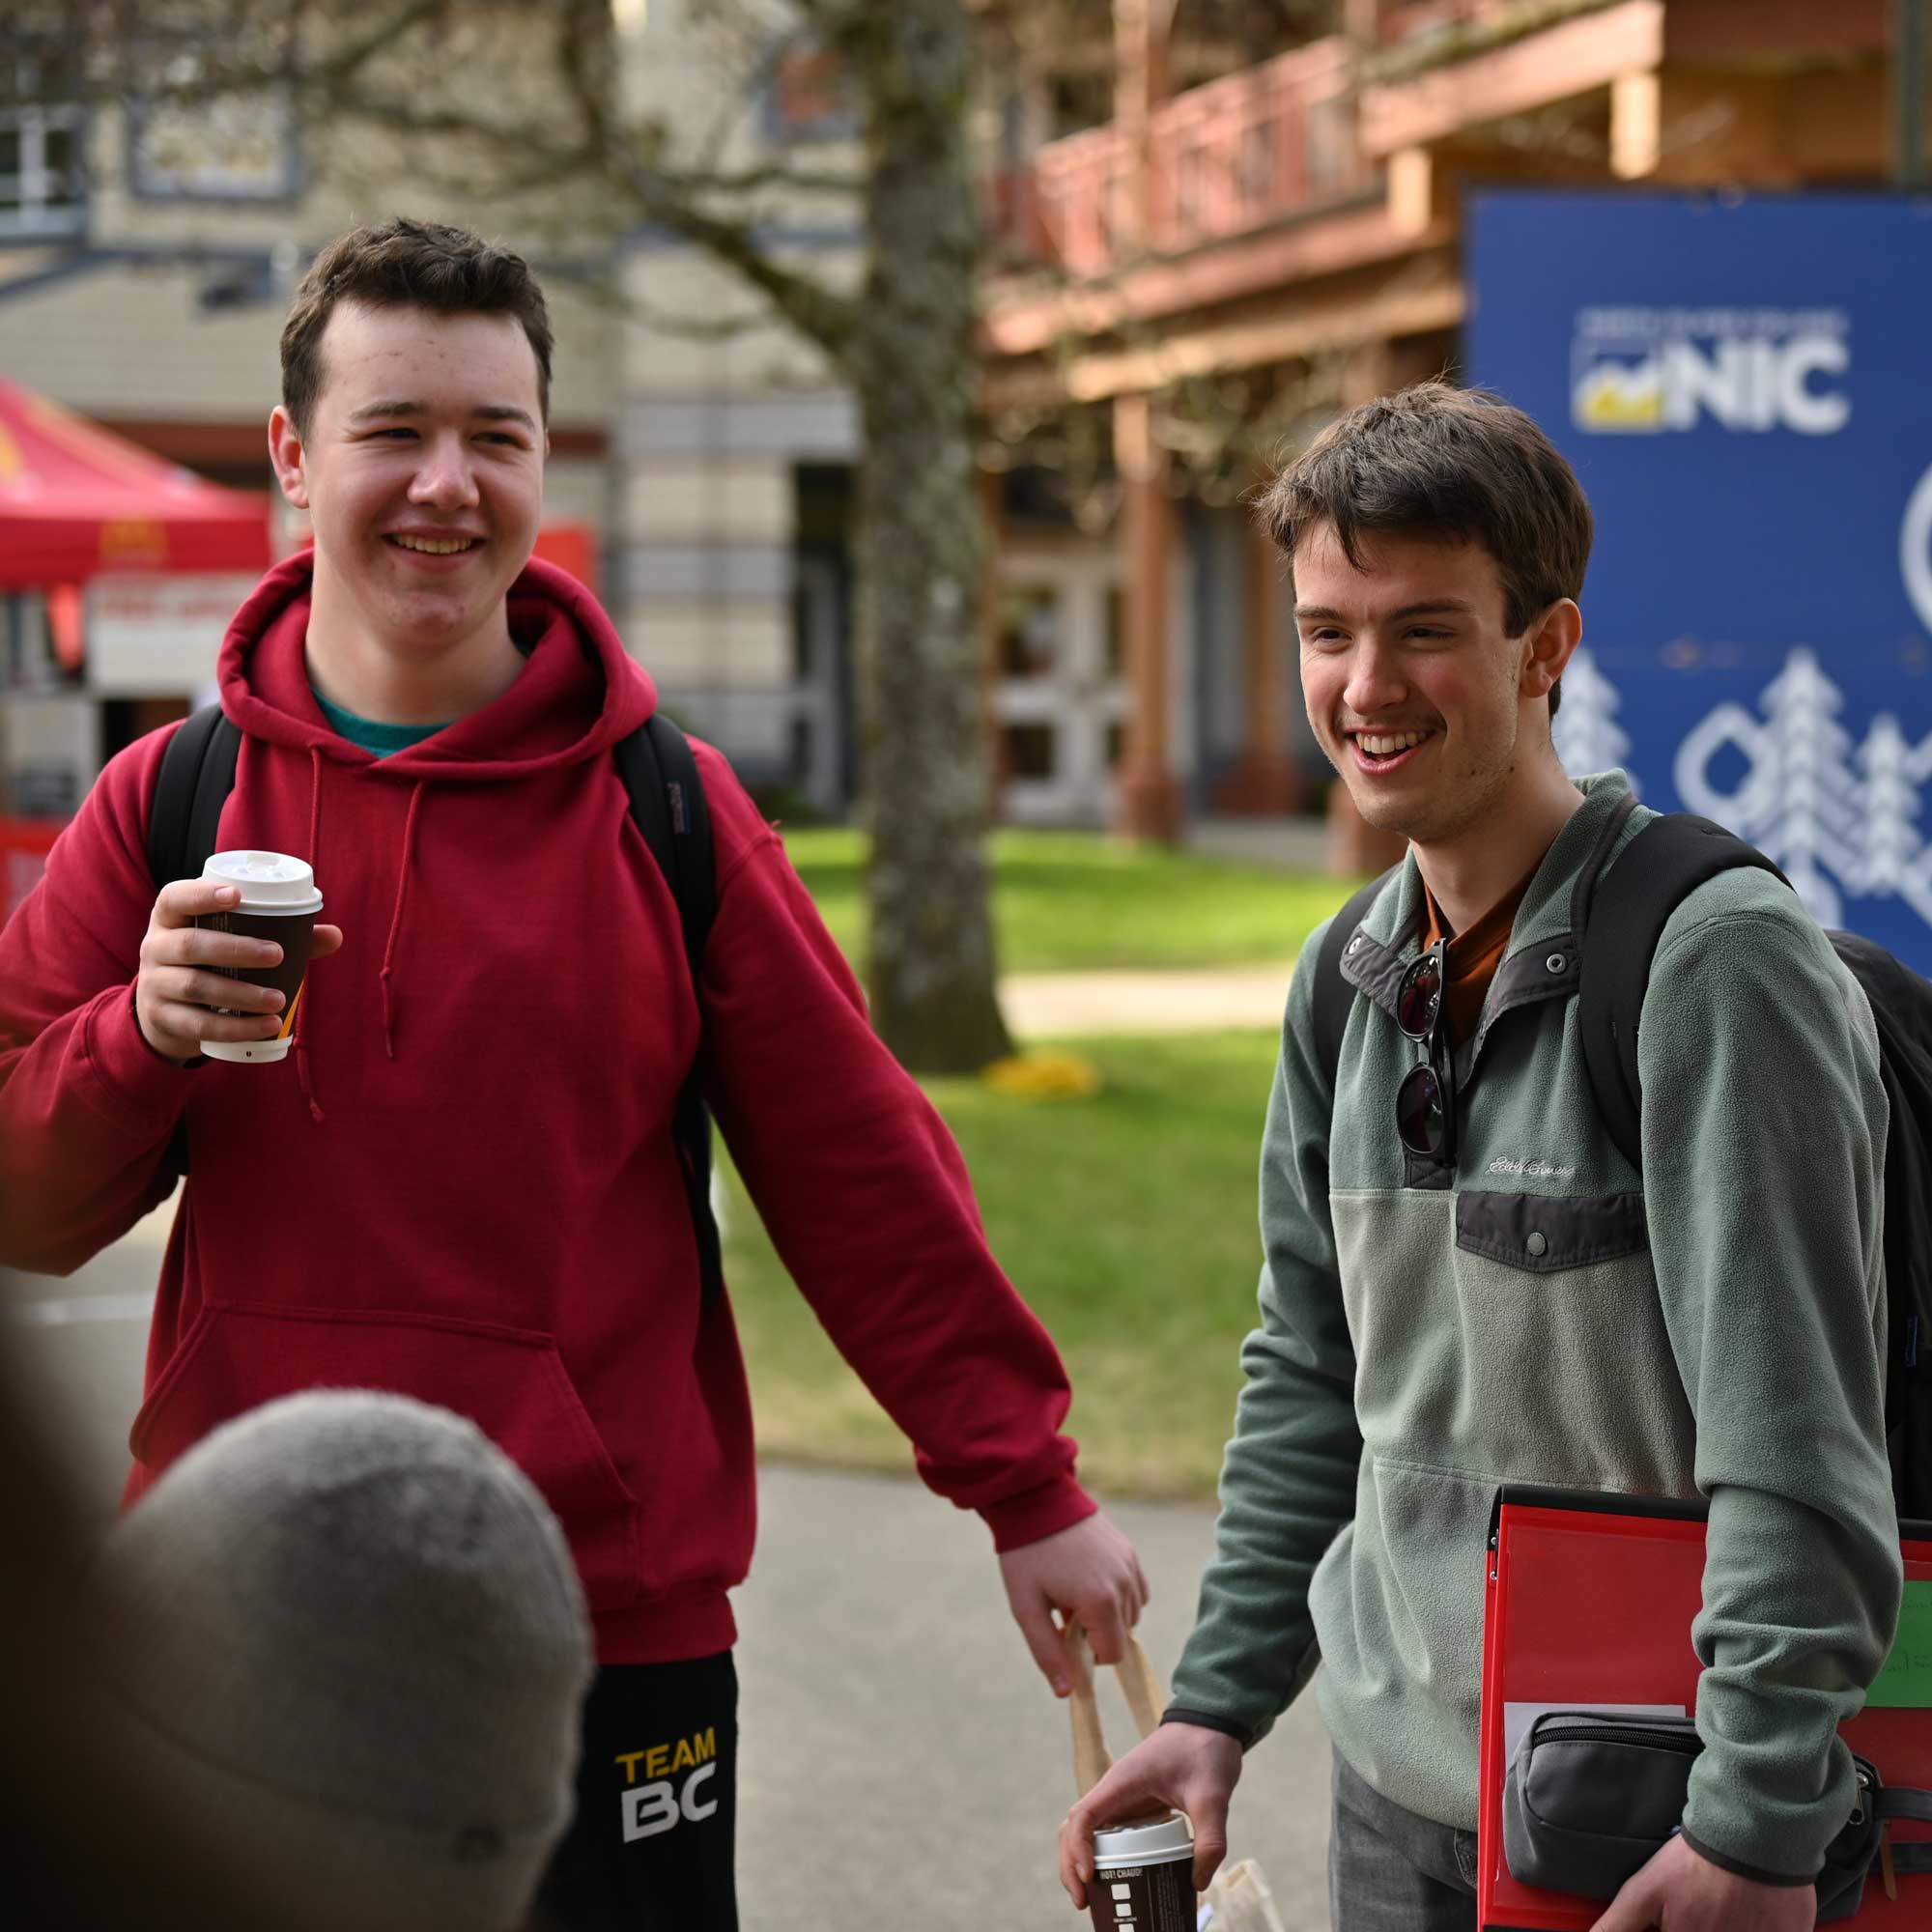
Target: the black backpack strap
pixel 196 775
pixel 667 804
pixel 1901 1009
pixel 1660 866
pixel 1334 996
pixel 185 824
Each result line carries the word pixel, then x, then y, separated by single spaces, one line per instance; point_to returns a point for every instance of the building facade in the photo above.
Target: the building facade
pixel 1198 249
pixel 1291 237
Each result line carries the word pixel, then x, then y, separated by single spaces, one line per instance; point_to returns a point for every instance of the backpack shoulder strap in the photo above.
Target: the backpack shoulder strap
pixel 1334 996
pixel 1660 867
pixel 185 824
pixel 196 775
pixel 660 773
pixel 1901 1009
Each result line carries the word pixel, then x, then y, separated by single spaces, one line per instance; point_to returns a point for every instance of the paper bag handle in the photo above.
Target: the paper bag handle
pixel 1138 1683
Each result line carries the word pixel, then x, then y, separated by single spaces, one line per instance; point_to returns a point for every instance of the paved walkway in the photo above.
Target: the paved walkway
pixel 1047 1005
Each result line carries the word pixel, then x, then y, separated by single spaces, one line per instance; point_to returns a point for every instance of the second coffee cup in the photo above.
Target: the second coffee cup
pixel 1143 1876
pixel 280 901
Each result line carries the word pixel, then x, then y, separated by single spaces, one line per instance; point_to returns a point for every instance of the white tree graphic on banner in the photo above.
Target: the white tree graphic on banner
pixel 1836 819
pixel 1587 734
pixel 1895 856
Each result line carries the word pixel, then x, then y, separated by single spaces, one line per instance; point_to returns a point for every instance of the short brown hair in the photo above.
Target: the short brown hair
pixel 1441 462
pixel 405 264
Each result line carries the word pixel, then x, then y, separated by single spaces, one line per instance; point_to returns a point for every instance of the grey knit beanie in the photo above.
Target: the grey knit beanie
pixel 343 1636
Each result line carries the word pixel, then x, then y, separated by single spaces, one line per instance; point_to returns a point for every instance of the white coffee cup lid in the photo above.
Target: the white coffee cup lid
pixel 267 879
pixel 1145 1841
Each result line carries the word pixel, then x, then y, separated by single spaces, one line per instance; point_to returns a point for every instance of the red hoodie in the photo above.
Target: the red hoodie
pixel 462 1184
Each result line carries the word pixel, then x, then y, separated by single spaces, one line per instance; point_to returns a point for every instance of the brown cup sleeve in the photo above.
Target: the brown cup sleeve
pixel 292 932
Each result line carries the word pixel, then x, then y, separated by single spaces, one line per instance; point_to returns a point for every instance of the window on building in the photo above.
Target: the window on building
pixel 1030 643
pixel 808 98
pixel 1028 752
pixel 42 177
pixel 239 147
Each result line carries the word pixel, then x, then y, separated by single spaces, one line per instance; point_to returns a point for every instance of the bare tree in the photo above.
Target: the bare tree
pixel 518 104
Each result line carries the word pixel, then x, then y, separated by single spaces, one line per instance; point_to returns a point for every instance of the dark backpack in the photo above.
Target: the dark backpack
pixel 667 804
pixel 1624 914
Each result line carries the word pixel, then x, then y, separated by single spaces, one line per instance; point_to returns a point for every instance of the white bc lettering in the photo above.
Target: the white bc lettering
pixel 649 1810
pixel 692 1808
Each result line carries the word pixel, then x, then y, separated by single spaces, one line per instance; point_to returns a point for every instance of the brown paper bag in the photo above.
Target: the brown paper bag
pixel 1238 1900
pixel 1139 1684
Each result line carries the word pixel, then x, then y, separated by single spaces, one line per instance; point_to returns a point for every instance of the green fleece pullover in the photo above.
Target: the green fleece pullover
pixel 1543 1314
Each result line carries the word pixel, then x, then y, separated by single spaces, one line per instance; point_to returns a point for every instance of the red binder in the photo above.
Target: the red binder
pixel 1589 1605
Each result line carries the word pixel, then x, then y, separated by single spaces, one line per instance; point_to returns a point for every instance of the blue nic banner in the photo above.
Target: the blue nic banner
pixel 1743 386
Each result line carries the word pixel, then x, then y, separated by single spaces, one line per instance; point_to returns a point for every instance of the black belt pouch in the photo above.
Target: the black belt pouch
pixel 1592 1795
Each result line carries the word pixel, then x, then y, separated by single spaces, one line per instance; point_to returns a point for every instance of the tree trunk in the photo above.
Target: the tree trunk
pixel 918 542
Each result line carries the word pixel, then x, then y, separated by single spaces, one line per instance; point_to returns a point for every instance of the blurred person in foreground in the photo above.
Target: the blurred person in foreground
pixel 1464 1286
pixel 328 1675
pixel 342 1643
pixel 464 1183
pixel 84 1842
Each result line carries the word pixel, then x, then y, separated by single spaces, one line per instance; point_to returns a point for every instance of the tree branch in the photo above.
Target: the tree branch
pixel 225 66
pixel 599 291
pixel 831 19
pixel 814 310
pixel 769 174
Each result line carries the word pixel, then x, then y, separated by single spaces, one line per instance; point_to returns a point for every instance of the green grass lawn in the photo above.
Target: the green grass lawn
pixel 1070 901
pixel 1126 1220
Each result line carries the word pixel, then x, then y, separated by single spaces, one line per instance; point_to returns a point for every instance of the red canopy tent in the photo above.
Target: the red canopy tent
pixel 75 500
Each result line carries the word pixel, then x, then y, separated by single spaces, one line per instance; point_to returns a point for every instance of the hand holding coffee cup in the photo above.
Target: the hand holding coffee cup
pixel 207 984
pixel 1127 1854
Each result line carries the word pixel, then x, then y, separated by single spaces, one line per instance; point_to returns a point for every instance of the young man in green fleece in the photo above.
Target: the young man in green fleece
pixel 1470 1287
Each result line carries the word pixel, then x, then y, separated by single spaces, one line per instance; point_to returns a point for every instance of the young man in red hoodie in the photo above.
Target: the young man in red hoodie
pixel 465 1186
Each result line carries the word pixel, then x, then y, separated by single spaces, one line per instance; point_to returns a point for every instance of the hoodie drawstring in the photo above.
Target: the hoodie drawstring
pixel 396 917
pixel 302 1019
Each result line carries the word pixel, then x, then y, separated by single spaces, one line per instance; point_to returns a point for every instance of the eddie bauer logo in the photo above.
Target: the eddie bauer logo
pixel 1645 371
pixel 658 1804
pixel 1533 1169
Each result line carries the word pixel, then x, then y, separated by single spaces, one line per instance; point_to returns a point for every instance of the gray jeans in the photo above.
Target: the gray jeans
pixel 1391 1871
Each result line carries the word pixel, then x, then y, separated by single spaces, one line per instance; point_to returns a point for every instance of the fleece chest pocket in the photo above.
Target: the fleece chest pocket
pixel 1544 1233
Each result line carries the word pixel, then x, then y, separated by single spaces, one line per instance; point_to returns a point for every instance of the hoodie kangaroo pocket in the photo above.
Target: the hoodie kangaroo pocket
pixel 509 1382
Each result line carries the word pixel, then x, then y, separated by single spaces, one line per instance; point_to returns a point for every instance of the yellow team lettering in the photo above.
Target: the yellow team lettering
pixel 661 1759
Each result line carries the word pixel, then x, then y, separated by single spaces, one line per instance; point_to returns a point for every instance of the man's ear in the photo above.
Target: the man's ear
pixel 285 452
pixel 1552 640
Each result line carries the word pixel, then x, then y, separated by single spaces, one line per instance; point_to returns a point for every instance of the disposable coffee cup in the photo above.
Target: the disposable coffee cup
pixel 278 902
pixel 1144 1877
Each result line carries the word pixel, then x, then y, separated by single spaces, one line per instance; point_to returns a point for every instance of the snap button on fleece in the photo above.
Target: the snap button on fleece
pixel 1555 963
pixel 1354 944
pixel 1536 1244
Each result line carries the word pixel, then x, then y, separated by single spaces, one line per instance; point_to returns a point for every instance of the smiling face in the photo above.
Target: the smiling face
pixel 1421 699
pixel 421 468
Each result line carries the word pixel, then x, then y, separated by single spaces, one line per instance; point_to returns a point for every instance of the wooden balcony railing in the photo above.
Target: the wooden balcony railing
pixel 1223 160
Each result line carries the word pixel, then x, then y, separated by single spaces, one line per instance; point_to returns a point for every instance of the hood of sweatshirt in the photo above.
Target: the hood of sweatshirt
pixel 579 692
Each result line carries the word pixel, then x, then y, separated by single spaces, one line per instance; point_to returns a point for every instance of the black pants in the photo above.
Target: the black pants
pixel 650 1848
